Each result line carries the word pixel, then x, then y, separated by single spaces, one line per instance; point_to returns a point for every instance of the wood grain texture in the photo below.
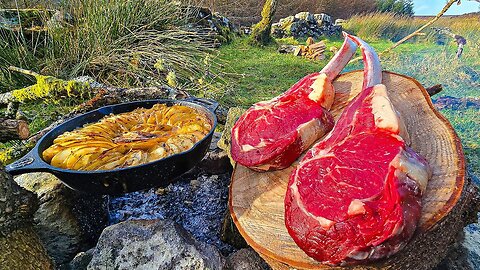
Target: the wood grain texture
pixel 257 199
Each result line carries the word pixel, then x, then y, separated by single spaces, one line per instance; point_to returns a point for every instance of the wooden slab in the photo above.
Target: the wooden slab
pixel 257 199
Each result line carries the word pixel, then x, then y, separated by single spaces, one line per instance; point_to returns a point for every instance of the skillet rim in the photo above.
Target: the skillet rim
pixel 46 166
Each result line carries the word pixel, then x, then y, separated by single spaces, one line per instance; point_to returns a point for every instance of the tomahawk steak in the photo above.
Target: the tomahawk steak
pixel 356 195
pixel 272 134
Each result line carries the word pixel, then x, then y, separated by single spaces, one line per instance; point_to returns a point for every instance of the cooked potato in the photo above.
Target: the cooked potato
pixel 129 139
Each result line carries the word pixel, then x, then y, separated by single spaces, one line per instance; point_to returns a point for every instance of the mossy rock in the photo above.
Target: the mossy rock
pixel 225 140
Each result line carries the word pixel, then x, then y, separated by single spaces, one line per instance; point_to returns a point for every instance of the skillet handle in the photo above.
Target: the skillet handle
pixel 29 163
pixel 210 104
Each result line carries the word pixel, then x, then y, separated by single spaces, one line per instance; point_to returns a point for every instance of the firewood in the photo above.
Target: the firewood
pixel 318 45
pixel 310 41
pixel 434 89
pixel 20 245
pixel 12 129
pixel 298 51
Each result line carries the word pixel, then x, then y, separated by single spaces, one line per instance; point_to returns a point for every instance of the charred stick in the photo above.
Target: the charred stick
pixel 11 129
pixel 434 90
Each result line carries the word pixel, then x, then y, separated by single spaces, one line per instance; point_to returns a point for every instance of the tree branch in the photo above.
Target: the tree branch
pixel 419 30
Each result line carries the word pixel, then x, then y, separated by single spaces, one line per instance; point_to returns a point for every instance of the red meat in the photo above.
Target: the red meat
pixel 356 195
pixel 272 134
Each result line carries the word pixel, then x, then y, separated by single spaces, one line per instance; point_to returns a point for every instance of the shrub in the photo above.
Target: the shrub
pixel 124 43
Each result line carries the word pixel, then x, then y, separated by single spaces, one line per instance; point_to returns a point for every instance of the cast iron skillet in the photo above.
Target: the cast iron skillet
pixel 154 174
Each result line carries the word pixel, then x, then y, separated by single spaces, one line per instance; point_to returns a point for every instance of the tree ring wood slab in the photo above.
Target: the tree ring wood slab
pixel 257 199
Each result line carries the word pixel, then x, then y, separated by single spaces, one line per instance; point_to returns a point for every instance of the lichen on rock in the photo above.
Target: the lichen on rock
pixel 49 87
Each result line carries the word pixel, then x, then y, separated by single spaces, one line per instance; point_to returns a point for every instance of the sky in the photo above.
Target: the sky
pixel 432 7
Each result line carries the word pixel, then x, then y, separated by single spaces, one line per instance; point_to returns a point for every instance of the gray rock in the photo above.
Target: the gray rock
pixel 224 142
pixel 246 259
pixel 323 19
pixel 472 244
pixel 306 16
pixel 287 49
pixel 216 162
pixel 287 21
pixel 66 221
pixel 81 260
pixel 196 203
pixel 154 244
pixel 230 234
pixel 305 24
pixel 340 21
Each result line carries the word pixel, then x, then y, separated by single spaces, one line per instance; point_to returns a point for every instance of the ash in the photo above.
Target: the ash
pixel 197 203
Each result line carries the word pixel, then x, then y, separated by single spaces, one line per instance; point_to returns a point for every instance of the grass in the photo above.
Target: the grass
pixel 467 125
pixel 377 26
pixel 122 43
pixel 260 74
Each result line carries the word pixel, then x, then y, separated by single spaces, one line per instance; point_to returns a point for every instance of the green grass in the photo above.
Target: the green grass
pixel 262 73
pixel 467 125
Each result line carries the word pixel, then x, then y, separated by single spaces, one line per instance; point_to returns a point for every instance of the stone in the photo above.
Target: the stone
pixel 215 138
pixel 340 21
pixel 246 259
pixel 306 16
pixel 215 27
pixel 66 221
pixel 323 19
pixel 230 234
pixel 216 162
pixel 305 24
pixel 152 244
pixel 287 49
pixel 20 247
pixel 81 260
pixel 224 143
pixel 196 203
pixel 287 21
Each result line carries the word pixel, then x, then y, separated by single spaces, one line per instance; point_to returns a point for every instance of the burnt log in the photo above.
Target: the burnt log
pixel 12 129
pixel 20 246
pixel 434 90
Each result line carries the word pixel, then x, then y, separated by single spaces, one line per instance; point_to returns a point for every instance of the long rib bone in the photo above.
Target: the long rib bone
pixel 373 68
pixel 254 145
pixel 323 90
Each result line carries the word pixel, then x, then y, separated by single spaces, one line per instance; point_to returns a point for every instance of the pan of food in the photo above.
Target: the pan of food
pixel 125 147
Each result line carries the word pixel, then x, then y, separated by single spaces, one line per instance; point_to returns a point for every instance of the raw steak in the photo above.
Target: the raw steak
pixel 356 195
pixel 272 134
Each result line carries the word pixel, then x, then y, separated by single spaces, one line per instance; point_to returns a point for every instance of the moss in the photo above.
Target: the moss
pixel 48 87
pixel 172 79
pixel 6 156
pixel 261 31
pixel 9 154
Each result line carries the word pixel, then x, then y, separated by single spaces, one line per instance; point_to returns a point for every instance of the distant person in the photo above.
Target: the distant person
pixel 461 41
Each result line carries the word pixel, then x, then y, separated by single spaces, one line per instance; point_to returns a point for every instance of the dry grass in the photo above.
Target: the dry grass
pixel 247 12
pixel 124 43
pixel 376 26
